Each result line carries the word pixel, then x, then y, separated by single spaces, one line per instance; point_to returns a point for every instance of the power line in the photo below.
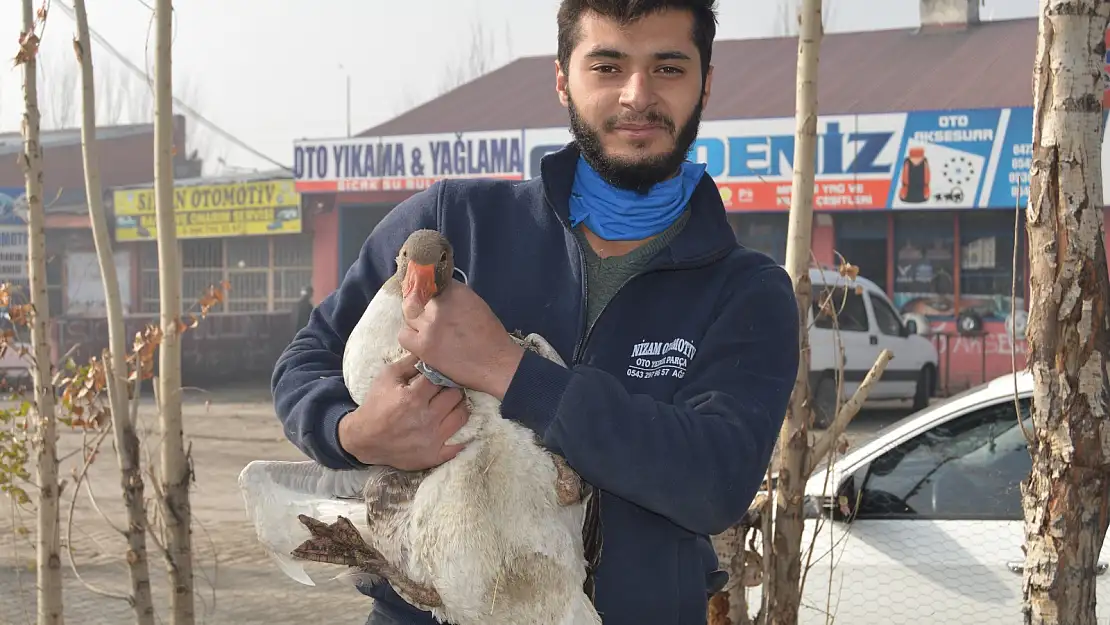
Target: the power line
pixel 204 121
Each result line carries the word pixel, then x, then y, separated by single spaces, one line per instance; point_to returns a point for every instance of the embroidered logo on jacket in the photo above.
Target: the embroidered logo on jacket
pixel 654 359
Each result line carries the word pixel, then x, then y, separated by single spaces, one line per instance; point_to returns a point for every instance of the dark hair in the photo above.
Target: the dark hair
pixel 628 11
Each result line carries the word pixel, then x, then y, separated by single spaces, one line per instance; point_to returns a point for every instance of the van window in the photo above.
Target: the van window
pixel 885 317
pixel 845 304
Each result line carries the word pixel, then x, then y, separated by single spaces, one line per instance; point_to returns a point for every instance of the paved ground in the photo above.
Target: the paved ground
pixel 236 428
pixel 237 583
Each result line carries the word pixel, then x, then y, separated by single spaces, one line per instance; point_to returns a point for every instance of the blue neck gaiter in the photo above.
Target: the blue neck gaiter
pixel 621 215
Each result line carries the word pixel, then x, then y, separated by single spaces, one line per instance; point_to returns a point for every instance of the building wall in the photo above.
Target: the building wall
pixel 241 337
pixel 325 255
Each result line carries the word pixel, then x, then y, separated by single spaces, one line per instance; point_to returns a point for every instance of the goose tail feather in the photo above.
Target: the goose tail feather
pixel 276 492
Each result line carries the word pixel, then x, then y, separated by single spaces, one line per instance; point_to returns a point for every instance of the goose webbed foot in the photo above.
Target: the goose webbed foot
pixel 569 487
pixel 341 543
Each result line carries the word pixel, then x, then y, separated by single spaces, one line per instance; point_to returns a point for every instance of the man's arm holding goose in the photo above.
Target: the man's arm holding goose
pixel 310 396
pixel 697 461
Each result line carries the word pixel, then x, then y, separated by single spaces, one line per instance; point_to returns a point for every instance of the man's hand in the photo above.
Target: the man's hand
pixel 404 421
pixel 457 334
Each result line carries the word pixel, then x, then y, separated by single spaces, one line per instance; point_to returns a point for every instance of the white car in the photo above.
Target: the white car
pixel 868 323
pixel 932 529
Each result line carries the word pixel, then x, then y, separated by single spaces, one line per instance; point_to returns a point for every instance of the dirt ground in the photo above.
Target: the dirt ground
pixel 236 582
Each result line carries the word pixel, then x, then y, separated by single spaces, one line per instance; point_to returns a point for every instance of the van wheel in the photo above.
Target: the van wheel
pixel 824 402
pixel 926 381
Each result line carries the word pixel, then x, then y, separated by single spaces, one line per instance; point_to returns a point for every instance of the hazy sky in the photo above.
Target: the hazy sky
pixel 271 71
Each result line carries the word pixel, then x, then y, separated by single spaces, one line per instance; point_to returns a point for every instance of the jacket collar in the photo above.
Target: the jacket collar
pixel 707 233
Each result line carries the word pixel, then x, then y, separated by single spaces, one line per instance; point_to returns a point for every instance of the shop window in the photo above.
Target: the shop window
pixel 924 275
pixel 355 225
pixel 266 274
pixel 861 239
pixel 85 284
pixel 148 278
pixel 987 263
pixel 20 287
pixel 292 272
pixel 202 265
pixel 763 232
pixel 55 280
pixel 248 273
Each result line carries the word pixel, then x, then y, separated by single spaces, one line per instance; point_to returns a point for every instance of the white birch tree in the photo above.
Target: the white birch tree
pixel 127 441
pixel 48 558
pixel 779 514
pixel 1065 497
pixel 176 474
pixel 782 591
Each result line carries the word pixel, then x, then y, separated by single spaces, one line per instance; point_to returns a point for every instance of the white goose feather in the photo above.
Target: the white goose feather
pixel 492 537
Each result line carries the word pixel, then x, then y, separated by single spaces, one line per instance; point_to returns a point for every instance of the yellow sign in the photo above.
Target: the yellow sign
pixel 225 210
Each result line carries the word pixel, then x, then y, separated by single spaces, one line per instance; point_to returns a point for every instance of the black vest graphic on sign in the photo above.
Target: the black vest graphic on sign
pixel 915 178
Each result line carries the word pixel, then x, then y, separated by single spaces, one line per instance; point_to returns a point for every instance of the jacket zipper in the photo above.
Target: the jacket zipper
pixel 590 328
pixel 580 347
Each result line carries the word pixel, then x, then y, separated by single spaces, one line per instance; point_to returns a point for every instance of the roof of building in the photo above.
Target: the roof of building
pixel 12 142
pixel 230 178
pixel 988 65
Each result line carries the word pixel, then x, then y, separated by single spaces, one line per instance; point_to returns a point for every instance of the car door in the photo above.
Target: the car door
pixel 840 316
pixel 936 531
pixel 900 378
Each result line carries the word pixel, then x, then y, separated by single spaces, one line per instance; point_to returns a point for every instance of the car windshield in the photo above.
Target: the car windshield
pixel 936 407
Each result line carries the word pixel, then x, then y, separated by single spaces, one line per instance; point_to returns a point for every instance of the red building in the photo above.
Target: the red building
pixel 924 151
pixel 267 267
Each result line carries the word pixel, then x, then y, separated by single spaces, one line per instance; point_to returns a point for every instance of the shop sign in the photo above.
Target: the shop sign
pixel 752 161
pixel 207 211
pixel 407 162
pixel 13 234
pixel 974 158
pixel 542 141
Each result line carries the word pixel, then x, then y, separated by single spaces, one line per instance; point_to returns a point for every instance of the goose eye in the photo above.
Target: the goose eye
pixel 443 258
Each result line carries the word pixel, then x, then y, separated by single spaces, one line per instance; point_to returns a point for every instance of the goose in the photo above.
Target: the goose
pixel 504 533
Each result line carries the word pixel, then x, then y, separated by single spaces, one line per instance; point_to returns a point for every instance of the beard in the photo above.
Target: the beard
pixel 637 175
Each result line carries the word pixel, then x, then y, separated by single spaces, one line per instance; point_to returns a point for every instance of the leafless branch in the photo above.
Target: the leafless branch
pixel 827 441
pixel 81 477
pixel 483 56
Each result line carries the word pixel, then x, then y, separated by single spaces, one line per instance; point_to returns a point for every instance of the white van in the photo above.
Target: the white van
pixel 868 324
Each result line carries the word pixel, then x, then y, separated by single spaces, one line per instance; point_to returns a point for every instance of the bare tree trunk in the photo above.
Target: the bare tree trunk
pixel 782 590
pixel 48 562
pixel 1065 496
pixel 127 442
pixel 176 472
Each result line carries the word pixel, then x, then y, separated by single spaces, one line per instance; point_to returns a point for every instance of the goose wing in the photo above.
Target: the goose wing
pixel 591 527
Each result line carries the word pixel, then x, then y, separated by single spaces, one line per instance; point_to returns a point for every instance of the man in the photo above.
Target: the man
pixel 303 310
pixel 682 345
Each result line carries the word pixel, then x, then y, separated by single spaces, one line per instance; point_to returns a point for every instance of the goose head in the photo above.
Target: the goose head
pixel 425 266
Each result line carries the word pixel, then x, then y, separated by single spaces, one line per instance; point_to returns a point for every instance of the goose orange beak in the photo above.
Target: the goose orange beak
pixel 421 281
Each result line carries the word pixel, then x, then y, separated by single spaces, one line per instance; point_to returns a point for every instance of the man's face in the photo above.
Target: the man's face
pixel 635 96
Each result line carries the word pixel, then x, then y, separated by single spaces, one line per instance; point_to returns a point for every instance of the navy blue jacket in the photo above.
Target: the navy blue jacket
pixel 674 398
